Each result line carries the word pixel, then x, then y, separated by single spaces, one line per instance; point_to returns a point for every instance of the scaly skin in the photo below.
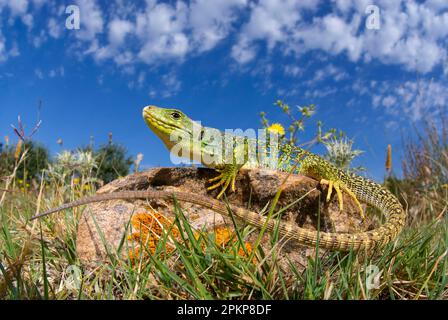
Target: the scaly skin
pixel 176 130
pixel 170 124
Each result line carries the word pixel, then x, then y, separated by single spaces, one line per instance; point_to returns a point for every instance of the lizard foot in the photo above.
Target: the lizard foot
pixel 338 185
pixel 225 178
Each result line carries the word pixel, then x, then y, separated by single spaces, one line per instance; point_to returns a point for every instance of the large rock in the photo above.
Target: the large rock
pixel 106 222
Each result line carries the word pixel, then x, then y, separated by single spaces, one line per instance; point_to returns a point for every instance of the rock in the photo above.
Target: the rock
pixel 106 222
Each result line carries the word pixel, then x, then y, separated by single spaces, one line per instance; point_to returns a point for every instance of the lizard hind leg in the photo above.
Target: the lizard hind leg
pixel 328 174
pixel 339 186
pixel 351 194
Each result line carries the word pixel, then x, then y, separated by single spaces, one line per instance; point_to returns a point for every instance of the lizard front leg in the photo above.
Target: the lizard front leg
pixel 227 176
pixel 229 170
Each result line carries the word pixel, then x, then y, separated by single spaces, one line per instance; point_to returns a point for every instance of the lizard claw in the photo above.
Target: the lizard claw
pixel 218 177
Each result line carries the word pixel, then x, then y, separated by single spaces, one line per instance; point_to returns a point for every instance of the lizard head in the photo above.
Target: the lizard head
pixel 168 124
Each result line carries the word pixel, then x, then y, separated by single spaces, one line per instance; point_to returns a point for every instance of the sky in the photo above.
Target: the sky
pixel 373 72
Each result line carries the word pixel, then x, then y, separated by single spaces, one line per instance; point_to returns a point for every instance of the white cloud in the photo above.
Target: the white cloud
pixel 54 28
pixel 331 34
pixel 169 86
pixel 344 5
pixel 412 37
pixel 3 52
pixel 57 72
pixel 161 28
pixel 39 3
pixel 39 74
pixel 170 81
pixel 124 58
pixel 414 99
pixel 437 4
pixel 172 31
pixel 329 71
pixel 28 20
pixel 313 94
pixel 211 21
pixel 3 55
pixel 14 51
pixel 118 29
pixel 17 7
pixel 292 70
pixel 391 125
pixel 243 52
pixel 389 101
pixel 38 39
pixel 412 34
pixel 91 20
pixel 139 82
pixel 165 47
pixel 271 21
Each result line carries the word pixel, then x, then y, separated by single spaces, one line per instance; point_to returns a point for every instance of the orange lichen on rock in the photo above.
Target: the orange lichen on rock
pixel 150 228
pixel 223 236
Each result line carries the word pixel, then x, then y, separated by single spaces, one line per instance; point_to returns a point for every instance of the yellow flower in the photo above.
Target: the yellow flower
pixel 86 187
pixel 76 181
pixel 277 128
pixel 20 181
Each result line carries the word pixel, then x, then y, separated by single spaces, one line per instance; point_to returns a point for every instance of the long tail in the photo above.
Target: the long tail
pixel 368 191
pixel 382 199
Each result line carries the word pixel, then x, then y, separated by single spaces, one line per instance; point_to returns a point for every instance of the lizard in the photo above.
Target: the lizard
pixel 179 133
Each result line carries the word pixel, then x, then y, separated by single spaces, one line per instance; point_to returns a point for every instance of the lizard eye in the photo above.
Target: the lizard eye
pixel 175 115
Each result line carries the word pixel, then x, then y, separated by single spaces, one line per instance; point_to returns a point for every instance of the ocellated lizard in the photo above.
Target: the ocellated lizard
pixel 229 153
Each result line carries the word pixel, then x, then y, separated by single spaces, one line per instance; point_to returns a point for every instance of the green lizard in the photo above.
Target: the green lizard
pixel 227 154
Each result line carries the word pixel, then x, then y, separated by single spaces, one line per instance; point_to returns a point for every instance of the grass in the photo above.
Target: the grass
pixel 38 259
pixel 35 257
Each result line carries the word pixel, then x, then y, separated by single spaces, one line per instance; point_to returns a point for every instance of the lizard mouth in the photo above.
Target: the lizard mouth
pixel 154 122
pixel 158 123
pixel 165 130
pixel 147 113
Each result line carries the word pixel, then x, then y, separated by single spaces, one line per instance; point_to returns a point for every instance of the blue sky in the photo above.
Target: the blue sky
pixel 222 62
